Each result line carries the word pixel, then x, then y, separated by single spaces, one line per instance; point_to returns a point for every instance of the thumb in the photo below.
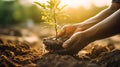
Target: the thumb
pixel 65 44
pixel 68 43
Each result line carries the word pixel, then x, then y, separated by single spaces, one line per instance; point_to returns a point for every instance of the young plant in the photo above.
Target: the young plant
pixel 51 13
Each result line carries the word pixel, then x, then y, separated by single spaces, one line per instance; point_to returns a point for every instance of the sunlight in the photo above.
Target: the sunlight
pixel 84 3
pixel 101 2
pixel 76 3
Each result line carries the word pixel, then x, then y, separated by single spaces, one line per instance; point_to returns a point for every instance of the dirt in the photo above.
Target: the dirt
pixel 53 44
pixel 98 54
pixel 17 54
pixel 11 32
pixel 21 54
pixel 55 60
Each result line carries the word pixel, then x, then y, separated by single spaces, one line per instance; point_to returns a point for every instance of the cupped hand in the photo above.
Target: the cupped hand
pixel 74 44
pixel 68 31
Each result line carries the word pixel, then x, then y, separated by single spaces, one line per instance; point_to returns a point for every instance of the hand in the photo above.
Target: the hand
pixel 77 38
pixel 75 43
pixel 68 31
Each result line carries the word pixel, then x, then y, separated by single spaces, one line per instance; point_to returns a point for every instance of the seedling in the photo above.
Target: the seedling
pixel 52 11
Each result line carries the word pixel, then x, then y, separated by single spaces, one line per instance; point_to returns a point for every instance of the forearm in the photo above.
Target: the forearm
pixel 100 16
pixel 108 27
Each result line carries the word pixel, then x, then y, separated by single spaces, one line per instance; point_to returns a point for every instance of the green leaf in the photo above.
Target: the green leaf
pixel 41 4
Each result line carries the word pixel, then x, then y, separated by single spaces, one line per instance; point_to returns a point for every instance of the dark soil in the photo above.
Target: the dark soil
pixel 55 60
pixel 52 44
pixel 99 55
pixel 11 32
pixel 111 59
pixel 17 54
pixel 21 54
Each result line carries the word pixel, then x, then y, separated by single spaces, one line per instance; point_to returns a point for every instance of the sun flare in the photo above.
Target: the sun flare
pixel 84 3
pixel 76 3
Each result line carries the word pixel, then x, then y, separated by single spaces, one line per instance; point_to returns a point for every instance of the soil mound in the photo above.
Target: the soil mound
pixel 17 54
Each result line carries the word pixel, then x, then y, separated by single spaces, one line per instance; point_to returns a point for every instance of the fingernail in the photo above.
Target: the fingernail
pixel 64 45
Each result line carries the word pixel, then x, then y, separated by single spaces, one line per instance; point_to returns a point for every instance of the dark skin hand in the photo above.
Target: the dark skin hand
pixel 79 38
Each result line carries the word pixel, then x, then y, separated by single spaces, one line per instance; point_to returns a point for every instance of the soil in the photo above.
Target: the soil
pixel 17 54
pixel 52 44
pixel 21 54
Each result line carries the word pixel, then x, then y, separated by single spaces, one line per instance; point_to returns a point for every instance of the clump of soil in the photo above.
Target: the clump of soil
pixel 52 44
pixel 17 54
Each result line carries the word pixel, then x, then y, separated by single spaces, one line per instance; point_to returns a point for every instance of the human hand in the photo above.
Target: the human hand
pixel 68 30
pixel 78 39
pixel 75 43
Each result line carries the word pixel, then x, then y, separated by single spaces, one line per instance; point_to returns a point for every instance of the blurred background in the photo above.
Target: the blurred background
pixel 19 15
pixel 23 26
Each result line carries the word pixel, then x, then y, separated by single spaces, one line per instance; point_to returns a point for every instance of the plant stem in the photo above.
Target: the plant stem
pixel 55 21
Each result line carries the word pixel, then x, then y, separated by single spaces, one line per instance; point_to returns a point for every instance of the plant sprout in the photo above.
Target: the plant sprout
pixel 51 12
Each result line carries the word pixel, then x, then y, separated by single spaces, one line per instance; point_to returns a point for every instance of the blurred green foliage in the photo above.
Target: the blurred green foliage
pixel 12 12
pixel 36 14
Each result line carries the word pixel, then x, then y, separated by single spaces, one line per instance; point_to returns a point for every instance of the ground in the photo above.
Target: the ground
pixel 101 53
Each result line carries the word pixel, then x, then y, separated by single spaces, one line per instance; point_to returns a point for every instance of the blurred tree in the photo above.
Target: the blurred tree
pixel 12 12
pixel 36 14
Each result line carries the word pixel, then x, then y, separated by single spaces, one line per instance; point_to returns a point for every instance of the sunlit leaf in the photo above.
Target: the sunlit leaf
pixel 41 4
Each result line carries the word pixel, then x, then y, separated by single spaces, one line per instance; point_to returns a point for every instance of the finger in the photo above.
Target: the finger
pixel 80 44
pixel 71 41
pixel 67 31
pixel 68 43
pixel 73 50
